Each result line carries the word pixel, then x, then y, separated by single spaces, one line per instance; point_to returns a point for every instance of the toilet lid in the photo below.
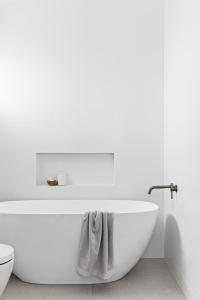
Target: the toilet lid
pixel 6 253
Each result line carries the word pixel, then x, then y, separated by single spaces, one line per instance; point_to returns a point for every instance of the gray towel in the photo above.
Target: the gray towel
pixel 96 255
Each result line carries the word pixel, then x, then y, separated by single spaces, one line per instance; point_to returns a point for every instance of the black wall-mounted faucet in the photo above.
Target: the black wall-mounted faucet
pixel 172 187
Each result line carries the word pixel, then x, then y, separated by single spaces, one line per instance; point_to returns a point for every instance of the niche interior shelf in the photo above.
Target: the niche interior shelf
pixel 81 169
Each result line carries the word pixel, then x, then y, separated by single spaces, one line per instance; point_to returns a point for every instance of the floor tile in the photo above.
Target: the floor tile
pixel 18 290
pixel 149 280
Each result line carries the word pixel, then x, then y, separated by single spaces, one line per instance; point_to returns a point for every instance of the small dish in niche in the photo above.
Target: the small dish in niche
pixel 52 181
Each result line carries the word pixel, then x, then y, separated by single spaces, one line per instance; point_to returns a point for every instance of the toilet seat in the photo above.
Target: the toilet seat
pixel 6 253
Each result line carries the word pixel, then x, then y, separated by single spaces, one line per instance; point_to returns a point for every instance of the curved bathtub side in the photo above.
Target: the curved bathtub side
pixel 46 245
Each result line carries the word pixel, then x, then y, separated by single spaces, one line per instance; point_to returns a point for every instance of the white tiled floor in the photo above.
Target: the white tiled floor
pixel 149 280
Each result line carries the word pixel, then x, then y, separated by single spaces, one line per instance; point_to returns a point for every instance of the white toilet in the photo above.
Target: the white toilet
pixel 6 265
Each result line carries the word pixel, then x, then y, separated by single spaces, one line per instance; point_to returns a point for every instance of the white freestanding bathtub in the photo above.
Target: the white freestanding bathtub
pixel 45 235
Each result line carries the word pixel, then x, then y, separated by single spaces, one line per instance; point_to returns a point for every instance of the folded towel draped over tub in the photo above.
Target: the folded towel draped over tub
pixel 96 255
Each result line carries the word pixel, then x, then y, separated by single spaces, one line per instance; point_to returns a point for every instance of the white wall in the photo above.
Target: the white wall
pixel 82 76
pixel 182 141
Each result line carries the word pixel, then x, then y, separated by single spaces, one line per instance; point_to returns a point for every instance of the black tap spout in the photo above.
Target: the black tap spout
pixel 172 187
pixel 157 187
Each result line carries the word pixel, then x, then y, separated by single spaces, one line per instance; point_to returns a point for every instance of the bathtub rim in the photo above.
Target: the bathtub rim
pixel 148 207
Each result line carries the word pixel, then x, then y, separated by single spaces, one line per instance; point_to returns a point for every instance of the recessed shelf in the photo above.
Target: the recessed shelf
pixel 81 169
